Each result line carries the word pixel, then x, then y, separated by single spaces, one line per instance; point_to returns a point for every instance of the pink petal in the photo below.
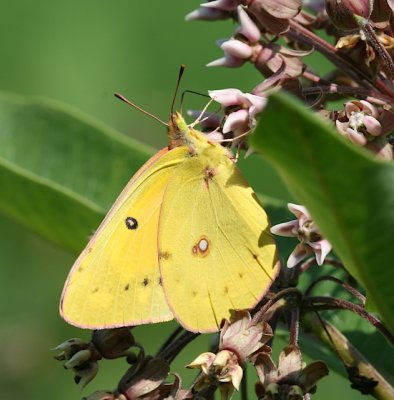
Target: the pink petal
pixel 356 137
pixel 225 5
pixel 227 61
pixel 206 14
pixel 350 107
pixel 321 249
pixel 342 127
pixel 236 48
pixel 214 136
pixel 299 211
pixel 372 125
pixel 369 108
pixel 236 120
pixel 300 252
pixel 226 97
pixel 248 28
pixel 289 228
pixel 257 104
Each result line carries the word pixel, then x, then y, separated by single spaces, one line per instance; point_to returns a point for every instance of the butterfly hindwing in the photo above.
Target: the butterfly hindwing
pixel 216 251
pixel 116 280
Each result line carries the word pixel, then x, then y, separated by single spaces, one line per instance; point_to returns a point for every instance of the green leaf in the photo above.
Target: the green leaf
pixel 60 170
pixel 349 193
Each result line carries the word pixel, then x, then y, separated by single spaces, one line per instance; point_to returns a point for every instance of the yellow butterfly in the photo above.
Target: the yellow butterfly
pixel 187 238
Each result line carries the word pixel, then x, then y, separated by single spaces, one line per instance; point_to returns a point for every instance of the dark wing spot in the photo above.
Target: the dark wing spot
pixel 255 256
pixel 95 290
pixel 80 269
pixel 226 290
pixel 164 255
pixel 240 274
pixel 194 293
pixel 209 173
pixel 145 282
pixel 127 287
pixel 131 223
pixel 159 281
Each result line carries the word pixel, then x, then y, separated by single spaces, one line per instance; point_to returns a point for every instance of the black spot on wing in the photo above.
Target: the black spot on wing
pixel 145 282
pixel 164 255
pixel 127 287
pixel 95 290
pixel 131 223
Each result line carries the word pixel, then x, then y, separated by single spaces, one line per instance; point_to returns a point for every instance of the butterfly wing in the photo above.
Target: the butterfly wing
pixel 215 249
pixel 116 280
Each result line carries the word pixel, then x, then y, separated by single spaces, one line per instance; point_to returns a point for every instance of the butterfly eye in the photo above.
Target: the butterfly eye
pixel 131 223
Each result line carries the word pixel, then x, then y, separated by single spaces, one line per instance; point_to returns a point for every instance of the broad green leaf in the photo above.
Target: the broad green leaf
pixel 349 193
pixel 60 170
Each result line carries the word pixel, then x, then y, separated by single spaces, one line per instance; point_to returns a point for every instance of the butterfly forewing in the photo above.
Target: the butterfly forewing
pixel 116 280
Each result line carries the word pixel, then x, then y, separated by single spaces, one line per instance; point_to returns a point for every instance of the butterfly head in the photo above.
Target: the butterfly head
pixel 179 132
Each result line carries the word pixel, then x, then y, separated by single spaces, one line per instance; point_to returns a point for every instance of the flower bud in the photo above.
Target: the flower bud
pixel 113 343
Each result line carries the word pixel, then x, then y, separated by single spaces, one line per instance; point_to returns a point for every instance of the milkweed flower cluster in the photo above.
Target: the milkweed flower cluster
pixel 239 341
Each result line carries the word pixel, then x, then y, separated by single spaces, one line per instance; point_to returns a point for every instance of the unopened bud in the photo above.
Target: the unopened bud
pixel 345 13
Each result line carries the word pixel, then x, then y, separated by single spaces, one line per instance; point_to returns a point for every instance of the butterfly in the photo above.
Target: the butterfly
pixel 186 238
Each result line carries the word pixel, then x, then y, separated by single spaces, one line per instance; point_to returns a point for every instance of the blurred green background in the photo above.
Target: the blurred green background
pixel 80 53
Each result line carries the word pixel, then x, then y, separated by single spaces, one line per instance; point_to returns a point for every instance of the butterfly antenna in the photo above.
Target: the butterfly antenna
pixel 121 97
pixel 181 71
pixel 193 92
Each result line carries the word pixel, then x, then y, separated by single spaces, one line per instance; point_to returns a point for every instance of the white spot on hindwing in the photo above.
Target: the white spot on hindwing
pixel 201 247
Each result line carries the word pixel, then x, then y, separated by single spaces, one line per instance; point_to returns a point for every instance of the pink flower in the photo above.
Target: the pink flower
pixel 307 233
pixel 242 46
pixel 291 379
pixel 268 58
pixel 240 109
pixel 239 340
pixel 360 123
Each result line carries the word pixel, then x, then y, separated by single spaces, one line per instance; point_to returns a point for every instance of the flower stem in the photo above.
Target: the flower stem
pixel 347 305
pixel 299 33
pixel 345 285
pixel 173 349
pixel 349 355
